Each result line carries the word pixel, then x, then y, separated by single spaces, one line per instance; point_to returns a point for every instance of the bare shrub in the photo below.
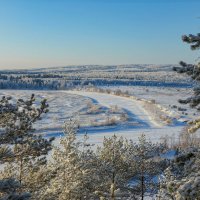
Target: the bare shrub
pixel 93 108
pixel 153 101
pixel 108 91
pixel 169 121
pixel 165 141
pixel 108 122
pixel 169 141
pixel 112 121
pixel 114 109
pixel 118 92
pixel 187 139
pixel 123 117
pixel 126 93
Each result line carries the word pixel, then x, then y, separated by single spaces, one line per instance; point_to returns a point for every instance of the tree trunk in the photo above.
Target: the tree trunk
pixel 113 187
pixel 21 169
pixel 142 177
pixel 142 185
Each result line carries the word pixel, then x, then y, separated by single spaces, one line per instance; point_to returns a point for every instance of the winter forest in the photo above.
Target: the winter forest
pixel 98 131
pixel 70 166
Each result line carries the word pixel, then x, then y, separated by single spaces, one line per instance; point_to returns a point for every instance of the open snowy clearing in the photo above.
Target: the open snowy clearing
pixel 150 128
pixel 90 107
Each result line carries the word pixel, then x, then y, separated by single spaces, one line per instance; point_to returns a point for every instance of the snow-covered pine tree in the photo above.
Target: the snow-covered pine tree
pixel 193 70
pixel 147 166
pixel 181 180
pixel 28 150
pixel 115 169
pixel 74 165
pixel 9 186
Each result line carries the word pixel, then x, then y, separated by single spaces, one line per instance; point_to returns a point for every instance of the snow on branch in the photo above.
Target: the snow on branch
pixel 194 40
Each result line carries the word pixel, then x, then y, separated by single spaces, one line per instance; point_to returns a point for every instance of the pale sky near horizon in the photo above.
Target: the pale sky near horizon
pixel 48 33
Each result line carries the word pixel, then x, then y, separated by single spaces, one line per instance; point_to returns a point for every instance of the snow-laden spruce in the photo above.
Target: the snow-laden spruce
pixel 181 180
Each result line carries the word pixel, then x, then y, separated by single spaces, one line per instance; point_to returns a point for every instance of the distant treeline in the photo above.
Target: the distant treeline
pixel 59 83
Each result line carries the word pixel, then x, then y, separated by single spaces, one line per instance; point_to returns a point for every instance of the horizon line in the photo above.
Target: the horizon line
pixel 79 65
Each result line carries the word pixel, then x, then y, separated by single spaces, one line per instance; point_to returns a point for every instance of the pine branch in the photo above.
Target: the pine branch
pixel 194 40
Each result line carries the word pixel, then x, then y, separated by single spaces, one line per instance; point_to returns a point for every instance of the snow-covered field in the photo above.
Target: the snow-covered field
pixel 105 114
pixel 146 123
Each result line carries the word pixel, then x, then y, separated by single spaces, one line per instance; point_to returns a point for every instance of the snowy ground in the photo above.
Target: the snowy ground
pixel 94 110
pixel 147 125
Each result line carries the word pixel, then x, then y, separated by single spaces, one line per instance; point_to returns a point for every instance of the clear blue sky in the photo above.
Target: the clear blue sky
pixel 43 33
